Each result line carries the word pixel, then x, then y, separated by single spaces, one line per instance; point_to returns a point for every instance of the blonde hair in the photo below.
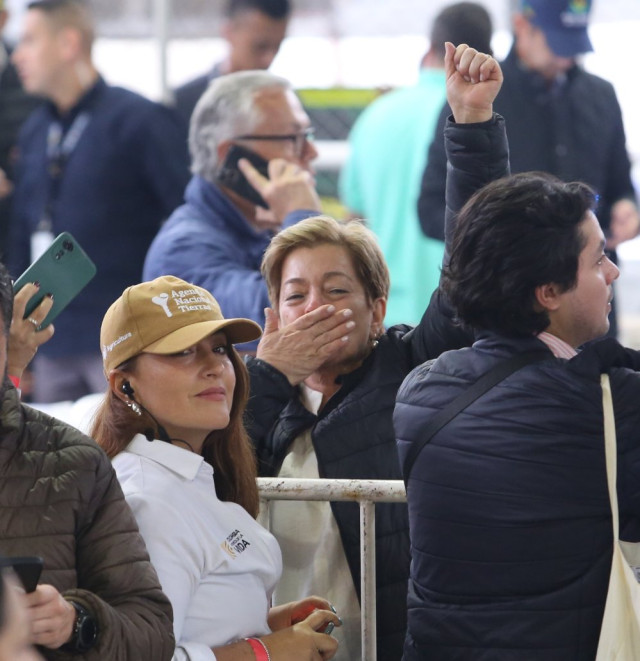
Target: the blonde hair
pixel 353 236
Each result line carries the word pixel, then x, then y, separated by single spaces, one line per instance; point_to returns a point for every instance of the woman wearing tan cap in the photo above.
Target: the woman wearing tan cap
pixel 172 422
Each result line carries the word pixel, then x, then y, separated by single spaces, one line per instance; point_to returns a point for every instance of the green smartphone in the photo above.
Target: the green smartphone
pixel 62 270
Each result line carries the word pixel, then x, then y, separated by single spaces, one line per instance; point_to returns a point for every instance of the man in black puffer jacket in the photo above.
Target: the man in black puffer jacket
pixel 508 505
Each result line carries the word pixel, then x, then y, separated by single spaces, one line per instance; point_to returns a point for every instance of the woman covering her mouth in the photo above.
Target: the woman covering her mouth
pixel 172 422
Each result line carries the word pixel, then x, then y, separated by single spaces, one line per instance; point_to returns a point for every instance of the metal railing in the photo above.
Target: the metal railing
pixel 366 493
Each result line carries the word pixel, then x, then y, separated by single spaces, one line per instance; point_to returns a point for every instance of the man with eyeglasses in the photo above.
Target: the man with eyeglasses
pixel 217 238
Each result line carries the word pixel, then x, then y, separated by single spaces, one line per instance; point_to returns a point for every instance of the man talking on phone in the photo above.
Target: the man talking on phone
pixel 246 122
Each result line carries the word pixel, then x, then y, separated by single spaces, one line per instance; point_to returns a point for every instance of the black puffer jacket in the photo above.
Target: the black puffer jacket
pixel 60 499
pixel 509 508
pixel 353 436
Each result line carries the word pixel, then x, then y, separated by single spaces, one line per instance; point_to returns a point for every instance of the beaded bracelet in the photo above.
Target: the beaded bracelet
pixel 259 649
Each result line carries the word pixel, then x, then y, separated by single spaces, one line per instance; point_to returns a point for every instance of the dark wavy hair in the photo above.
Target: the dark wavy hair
pixel 513 235
pixel 228 450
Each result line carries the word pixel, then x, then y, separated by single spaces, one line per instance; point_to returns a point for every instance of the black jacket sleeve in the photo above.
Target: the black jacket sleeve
pixel 274 415
pixel 432 189
pixel 601 356
pixel 618 184
pixel 477 154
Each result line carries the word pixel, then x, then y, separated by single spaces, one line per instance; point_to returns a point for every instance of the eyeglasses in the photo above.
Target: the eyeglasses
pixel 299 139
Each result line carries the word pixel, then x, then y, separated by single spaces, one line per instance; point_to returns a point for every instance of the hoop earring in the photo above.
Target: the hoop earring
pixel 134 407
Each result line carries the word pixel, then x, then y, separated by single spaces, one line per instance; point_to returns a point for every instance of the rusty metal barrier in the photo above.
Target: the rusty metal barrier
pixel 366 493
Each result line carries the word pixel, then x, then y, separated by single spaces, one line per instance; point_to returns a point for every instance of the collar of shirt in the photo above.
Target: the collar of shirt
pixel 559 348
pixel 183 462
pixel 311 399
pixel 85 103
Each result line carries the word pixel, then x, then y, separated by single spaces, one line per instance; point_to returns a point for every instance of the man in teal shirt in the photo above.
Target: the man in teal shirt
pixel 389 143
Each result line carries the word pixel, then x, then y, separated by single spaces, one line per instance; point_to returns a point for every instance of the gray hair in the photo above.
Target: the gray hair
pixel 226 109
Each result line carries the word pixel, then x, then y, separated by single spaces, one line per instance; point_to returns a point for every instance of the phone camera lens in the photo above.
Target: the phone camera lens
pixel 59 254
pixel 67 245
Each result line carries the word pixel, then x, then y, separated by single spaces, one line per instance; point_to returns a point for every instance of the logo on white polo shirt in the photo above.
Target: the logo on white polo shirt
pixel 235 544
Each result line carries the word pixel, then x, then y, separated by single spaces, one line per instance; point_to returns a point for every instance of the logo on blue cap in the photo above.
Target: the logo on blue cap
pixel 577 14
pixel 564 23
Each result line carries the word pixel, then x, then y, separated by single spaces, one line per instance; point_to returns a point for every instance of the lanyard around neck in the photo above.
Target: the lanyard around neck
pixel 60 146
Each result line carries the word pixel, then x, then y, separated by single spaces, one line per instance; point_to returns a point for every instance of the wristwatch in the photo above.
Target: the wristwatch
pixel 85 630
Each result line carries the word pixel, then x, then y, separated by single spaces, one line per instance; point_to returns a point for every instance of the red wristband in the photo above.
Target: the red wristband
pixel 15 380
pixel 259 649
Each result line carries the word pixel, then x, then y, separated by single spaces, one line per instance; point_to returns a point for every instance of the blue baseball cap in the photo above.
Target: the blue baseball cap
pixel 564 23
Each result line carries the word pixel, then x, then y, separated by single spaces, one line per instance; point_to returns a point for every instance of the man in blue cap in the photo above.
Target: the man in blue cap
pixel 564 24
pixel 560 119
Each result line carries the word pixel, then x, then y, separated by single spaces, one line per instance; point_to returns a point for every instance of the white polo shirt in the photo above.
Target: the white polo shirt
pixel 216 564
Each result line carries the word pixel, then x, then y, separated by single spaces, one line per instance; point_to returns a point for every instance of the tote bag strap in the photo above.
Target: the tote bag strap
pixel 610 447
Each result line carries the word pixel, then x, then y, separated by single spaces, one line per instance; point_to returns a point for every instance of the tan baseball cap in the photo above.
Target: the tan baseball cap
pixel 164 316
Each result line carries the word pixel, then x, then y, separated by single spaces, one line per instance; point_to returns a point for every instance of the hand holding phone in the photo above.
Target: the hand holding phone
pixel 290 187
pixel 231 177
pixel 279 186
pixel 62 270
pixel 24 336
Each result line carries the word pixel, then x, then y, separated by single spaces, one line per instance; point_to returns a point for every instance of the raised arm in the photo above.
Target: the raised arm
pixel 477 153
pixel 473 82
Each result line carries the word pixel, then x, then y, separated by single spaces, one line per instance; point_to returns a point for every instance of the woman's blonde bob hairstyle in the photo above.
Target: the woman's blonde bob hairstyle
pixel 353 236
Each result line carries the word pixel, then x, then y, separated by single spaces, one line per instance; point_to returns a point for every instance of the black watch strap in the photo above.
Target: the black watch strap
pixel 85 630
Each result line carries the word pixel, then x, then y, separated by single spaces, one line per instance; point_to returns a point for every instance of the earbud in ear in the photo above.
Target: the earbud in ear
pixel 127 389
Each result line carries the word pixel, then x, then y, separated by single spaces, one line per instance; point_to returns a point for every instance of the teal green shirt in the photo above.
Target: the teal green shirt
pixel 381 181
